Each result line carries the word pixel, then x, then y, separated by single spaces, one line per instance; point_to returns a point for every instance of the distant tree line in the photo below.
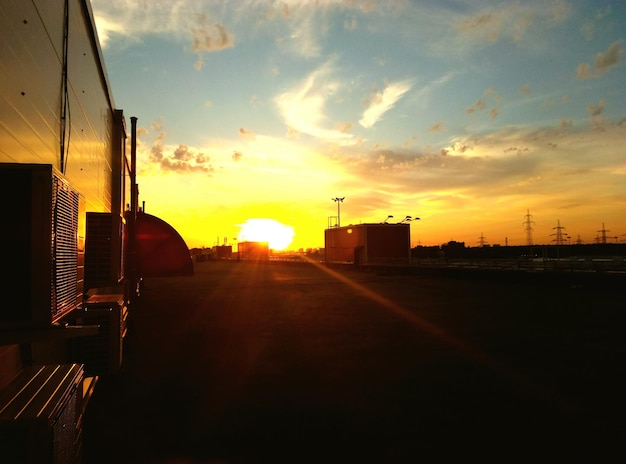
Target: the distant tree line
pixel 458 250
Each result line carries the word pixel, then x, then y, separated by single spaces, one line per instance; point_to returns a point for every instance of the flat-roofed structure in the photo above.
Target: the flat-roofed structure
pixel 253 251
pixel 368 244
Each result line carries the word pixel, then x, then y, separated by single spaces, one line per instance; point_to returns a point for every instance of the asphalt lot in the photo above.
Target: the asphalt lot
pixel 283 363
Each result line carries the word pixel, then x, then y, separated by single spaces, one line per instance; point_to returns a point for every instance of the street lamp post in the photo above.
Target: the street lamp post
pixel 338 200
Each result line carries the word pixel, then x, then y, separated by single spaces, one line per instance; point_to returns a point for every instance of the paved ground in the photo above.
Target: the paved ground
pixel 278 363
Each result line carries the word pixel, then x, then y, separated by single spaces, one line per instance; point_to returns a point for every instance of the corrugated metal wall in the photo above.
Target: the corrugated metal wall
pixel 32 95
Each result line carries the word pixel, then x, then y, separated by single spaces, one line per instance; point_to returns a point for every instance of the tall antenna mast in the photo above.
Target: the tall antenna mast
pixel 529 228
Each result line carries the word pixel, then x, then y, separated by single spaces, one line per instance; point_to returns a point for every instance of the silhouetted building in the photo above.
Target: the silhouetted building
pixel 72 229
pixel 253 251
pixel 369 244
pixel 223 252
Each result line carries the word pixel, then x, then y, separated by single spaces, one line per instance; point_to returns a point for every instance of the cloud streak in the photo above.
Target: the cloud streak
pixel 302 107
pixel 522 165
pixel 513 22
pixel 379 102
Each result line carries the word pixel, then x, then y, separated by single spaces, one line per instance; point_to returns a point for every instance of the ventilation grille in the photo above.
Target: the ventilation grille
pixel 98 250
pixel 65 209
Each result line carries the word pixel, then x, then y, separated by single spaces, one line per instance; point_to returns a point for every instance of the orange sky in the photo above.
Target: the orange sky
pixel 465 117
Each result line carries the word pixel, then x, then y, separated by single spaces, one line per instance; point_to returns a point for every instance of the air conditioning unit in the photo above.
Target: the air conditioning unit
pixel 102 353
pixel 41 414
pixel 43 245
pixel 104 250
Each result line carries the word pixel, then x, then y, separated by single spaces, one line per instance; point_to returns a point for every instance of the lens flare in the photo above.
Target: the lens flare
pixel 278 236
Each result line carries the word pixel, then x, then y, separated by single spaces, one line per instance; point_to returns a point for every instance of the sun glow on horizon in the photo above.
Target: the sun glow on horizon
pixel 471 150
pixel 278 236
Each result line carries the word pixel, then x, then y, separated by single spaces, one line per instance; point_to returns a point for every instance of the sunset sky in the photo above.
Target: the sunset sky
pixel 466 114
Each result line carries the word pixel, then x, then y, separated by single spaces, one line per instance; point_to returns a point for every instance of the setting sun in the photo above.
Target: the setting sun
pixel 476 152
pixel 277 235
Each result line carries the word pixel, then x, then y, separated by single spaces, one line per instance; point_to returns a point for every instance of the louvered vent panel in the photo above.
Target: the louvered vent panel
pixel 64 246
pixel 98 250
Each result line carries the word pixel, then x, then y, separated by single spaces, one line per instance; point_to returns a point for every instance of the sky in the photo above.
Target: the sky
pixel 484 119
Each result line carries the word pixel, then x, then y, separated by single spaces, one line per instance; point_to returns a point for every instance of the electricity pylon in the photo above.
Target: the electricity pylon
pixel 559 240
pixel 529 228
pixel 602 238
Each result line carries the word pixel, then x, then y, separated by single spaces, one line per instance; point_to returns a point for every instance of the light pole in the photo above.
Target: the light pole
pixel 338 201
pixel 388 217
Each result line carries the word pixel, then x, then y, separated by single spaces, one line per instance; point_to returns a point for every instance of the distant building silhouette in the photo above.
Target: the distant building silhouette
pixel 369 244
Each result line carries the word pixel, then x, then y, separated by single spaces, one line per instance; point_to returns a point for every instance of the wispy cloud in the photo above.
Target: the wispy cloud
pixel 591 25
pixel 133 20
pixel 483 102
pixel 603 62
pixel 523 166
pixel 437 127
pixel 209 37
pixel 303 106
pixel 513 22
pixel 379 102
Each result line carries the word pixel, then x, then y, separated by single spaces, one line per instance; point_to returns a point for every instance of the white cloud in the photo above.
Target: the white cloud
pixel 381 102
pixel 133 19
pixel 302 107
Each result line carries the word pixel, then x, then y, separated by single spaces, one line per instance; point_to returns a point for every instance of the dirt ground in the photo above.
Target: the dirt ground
pixel 291 363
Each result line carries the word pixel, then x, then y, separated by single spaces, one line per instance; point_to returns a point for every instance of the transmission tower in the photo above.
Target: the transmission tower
pixel 529 228
pixel 559 240
pixel 602 238
pixel 481 240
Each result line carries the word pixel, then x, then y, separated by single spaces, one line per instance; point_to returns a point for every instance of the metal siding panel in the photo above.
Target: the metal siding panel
pixel 30 81
pixel 341 243
pixel 388 242
pixel 89 160
pixel 30 100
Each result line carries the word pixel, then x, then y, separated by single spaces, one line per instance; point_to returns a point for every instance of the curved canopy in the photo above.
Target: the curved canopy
pixel 161 251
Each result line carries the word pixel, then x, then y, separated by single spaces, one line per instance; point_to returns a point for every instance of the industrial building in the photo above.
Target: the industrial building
pixel 253 251
pixel 75 244
pixel 368 244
